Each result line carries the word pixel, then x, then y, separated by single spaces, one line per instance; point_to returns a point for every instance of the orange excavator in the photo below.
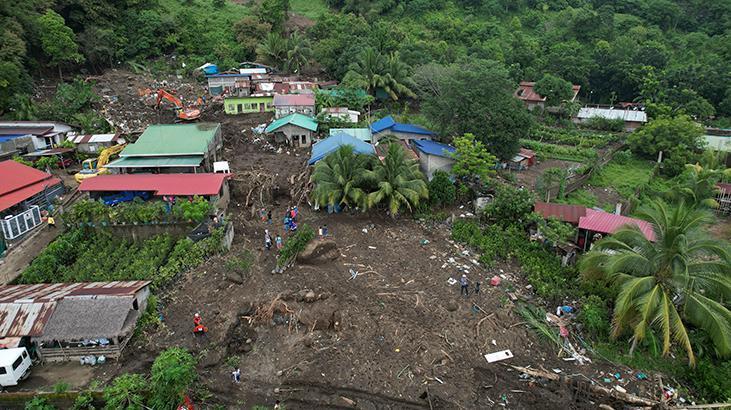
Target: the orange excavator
pixel 183 113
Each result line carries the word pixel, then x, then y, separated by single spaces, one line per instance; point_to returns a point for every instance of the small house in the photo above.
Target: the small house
pixel 434 156
pixel 211 186
pixel 341 114
pixel 406 132
pixel 24 191
pixel 523 160
pixel 719 139
pixel 229 84
pixel 302 87
pixel 363 134
pixel 562 212
pixel 247 105
pixel 596 223
pixel 322 149
pixel 532 99
pixel 43 134
pixel 294 129
pixel 171 148
pixel 94 143
pixel 632 118
pixel 285 105
pixel 68 321
pixel 251 68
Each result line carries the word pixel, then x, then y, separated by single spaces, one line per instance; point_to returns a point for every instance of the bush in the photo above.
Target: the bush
pixel 84 401
pixel 510 205
pixel 562 152
pixel 295 245
pixel 622 157
pixel 710 380
pixel 604 124
pixel 39 403
pixel 127 391
pixel 595 316
pixel 61 387
pixel 442 191
pixel 173 373
pixel 240 264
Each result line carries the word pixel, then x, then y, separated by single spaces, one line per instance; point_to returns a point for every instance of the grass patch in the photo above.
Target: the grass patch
pixel 312 9
pixel 580 197
pixel 623 178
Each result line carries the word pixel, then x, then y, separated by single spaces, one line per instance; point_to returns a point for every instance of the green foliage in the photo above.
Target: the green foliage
pixel 196 210
pixel 240 264
pixel 594 315
pixel 555 89
pixel 58 40
pixel 510 205
pixel 555 231
pixel 400 183
pixel 233 361
pixel 339 179
pixel 289 54
pixel 472 160
pixel 678 138
pixel 340 96
pixel 149 318
pixel 172 375
pixel 21 160
pixel 375 72
pixel 137 211
pixel 45 163
pixel 84 401
pixel 562 152
pixel 710 381
pixel 295 245
pixel 39 403
pixel 274 13
pixel 460 95
pixel 536 318
pixel 622 157
pixel 573 137
pixel 128 391
pixel 651 274
pixel 442 191
pixel 552 179
pixel 581 197
pixel 605 124
pixel 61 387
pixel 625 177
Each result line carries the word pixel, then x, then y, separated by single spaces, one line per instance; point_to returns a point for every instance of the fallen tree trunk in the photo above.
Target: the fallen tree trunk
pixel 593 388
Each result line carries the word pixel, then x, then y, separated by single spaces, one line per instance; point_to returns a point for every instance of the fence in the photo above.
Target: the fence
pixel 17 225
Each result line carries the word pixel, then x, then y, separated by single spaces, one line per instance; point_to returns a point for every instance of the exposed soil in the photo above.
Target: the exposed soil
pixel 397 336
pixel 529 176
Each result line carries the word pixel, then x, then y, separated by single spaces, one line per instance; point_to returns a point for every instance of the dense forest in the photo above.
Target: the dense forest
pixel 673 54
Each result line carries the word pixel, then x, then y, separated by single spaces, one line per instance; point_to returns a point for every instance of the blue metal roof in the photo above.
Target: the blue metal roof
pixel 434 148
pixel 329 145
pixel 227 75
pixel 387 123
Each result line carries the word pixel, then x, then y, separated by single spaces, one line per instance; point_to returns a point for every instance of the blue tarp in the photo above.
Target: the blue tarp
pixel 388 123
pixel 323 148
pixel 434 148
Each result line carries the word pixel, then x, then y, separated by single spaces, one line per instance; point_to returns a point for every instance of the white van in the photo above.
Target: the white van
pixel 14 366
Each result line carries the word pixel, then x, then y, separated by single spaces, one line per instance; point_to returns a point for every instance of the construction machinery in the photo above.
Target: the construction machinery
pixel 95 166
pixel 183 113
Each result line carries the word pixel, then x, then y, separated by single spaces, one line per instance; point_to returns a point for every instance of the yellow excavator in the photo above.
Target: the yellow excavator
pixel 95 166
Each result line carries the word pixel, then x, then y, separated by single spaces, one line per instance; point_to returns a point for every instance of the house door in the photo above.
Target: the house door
pixel 261 107
pixel 240 108
pixel 303 140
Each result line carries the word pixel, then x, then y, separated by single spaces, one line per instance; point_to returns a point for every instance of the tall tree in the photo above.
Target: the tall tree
pixel 273 12
pixel 678 138
pixel 472 160
pixel 400 182
pixel 555 89
pixel 680 278
pixel 339 179
pixel 58 40
pixel 172 374
pixel 299 52
pixel 476 97
pixel 375 72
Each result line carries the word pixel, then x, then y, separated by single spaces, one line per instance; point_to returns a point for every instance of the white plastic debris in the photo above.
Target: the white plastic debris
pixel 498 356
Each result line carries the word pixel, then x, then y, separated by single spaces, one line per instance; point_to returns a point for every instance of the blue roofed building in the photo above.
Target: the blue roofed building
pixel 405 132
pixel 323 148
pixel 434 156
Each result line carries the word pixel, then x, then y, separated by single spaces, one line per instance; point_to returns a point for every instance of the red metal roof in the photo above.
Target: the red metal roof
pixel 527 153
pixel 26 309
pixel 525 92
pixel 25 130
pixel 565 213
pixel 724 187
pixel 294 99
pixel 19 182
pixel 604 222
pixel 159 184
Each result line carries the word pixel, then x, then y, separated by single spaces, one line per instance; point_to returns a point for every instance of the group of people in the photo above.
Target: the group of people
pixel 465 286
pixel 268 241
pixel 290 225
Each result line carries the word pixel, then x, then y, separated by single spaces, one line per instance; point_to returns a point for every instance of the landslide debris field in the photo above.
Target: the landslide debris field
pixel 396 336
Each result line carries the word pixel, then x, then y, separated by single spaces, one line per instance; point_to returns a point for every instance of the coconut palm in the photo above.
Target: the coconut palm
pixel 682 277
pixel 697 185
pixel 387 73
pixel 399 181
pixel 299 52
pixel 339 178
pixel 273 50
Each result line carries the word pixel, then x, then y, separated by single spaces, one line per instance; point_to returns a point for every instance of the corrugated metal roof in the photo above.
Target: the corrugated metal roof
pixel 159 184
pixel 388 123
pixel 294 100
pixel 173 139
pixel 156 162
pixel 19 131
pixel 92 138
pixel 363 134
pixel 562 212
pixel 297 119
pixel 435 148
pixel 718 142
pixel 19 182
pixel 26 309
pixel 612 114
pixel 329 145
pixel 604 222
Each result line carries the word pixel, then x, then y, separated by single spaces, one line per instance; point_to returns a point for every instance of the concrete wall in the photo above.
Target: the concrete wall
pixel 285 110
pixel 404 136
pixel 432 163
pixel 22 145
pixel 246 105
pixel 291 134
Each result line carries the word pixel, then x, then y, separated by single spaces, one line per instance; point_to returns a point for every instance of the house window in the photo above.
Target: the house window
pixel 135 305
pixel 303 139
pixel 230 107
pixel 241 108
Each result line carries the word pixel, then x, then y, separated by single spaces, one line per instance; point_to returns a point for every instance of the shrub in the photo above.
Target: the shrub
pixel 604 124
pixel 84 401
pixel 46 163
pixel 595 316
pixel 442 191
pixel 711 380
pixel 61 387
pixel 192 210
pixel 39 403
pixel 510 205
pixel 622 157
pixel 295 245
pixel 173 373
pixel 127 391
pixel 242 263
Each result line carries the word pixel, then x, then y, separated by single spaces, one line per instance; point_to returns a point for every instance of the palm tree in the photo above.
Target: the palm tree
pixel 380 72
pixel 682 277
pixel 299 52
pixel 273 50
pixel 399 181
pixel 339 179
pixel 697 185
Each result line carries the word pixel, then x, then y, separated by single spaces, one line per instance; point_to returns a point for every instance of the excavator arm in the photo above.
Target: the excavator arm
pixel 107 153
pixel 184 113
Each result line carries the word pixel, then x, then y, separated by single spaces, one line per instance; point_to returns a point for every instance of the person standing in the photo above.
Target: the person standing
pixel 267 239
pixel 324 231
pixel 477 287
pixel 269 217
pixel 464 285
pixel 51 222
pixel 236 375
pixel 279 242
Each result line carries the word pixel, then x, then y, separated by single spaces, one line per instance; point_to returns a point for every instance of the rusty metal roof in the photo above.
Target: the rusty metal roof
pixel 562 212
pixel 26 309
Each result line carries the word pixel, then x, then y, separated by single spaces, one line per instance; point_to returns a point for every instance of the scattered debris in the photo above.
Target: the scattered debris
pixel 498 356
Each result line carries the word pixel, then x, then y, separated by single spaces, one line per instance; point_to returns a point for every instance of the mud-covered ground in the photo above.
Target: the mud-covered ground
pixel 397 336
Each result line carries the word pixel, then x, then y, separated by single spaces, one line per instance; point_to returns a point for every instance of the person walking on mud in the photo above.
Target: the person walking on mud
pixel 267 239
pixel 464 286
pixel 278 241
pixel 477 287
pixel 269 217
pixel 236 375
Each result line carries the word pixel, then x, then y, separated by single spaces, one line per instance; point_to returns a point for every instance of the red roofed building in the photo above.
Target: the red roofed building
pixel 597 223
pixel 24 189
pixel 286 104
pixel 562 212
pixel 532 99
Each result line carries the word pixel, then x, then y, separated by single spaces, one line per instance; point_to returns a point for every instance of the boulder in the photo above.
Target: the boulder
pixel 318 252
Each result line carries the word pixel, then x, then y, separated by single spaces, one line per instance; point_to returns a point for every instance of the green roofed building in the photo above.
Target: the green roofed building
pixel 172 148
pixel 248 105
pixel 294 129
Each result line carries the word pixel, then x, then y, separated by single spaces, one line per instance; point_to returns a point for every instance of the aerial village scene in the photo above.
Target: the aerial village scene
pixel 365 204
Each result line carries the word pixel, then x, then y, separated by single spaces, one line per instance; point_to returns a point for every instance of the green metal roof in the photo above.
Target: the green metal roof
pixel 173 139
pixel 363 134
pixel 154 162
pixel 299 120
